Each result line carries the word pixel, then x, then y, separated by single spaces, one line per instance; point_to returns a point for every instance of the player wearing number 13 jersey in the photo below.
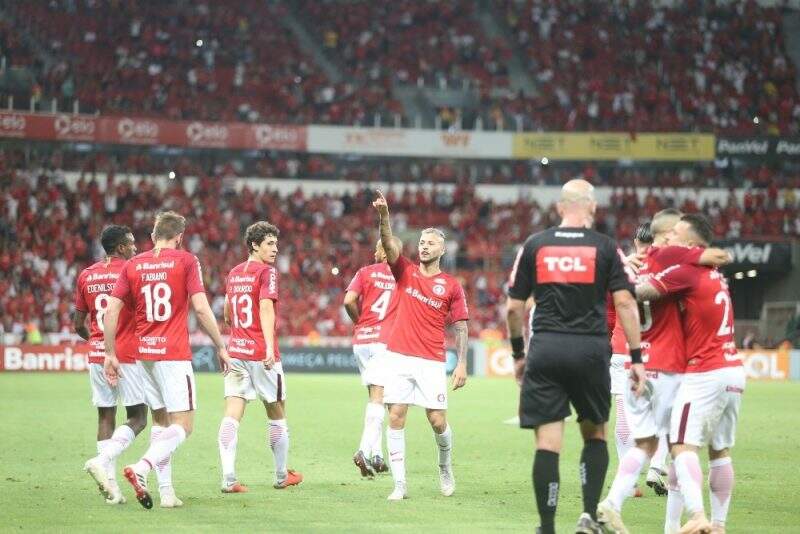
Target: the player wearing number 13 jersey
pixel 160 284
pixel 251 309
pixel 370 302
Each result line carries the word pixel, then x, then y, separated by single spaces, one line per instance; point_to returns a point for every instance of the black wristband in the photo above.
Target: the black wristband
pixel 636 355
pixel 517 347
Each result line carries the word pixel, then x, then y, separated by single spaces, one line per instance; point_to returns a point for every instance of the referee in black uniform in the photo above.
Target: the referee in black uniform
pixel 569 270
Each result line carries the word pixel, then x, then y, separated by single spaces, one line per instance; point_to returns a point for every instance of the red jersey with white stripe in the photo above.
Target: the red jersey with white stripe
pixel 160 288
pixel 375 286
pixel 425 305
pixel 94 287
pixel 707 315
pixel 663 345
pixel 246 286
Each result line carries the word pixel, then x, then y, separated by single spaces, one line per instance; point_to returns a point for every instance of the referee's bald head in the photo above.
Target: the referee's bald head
pixel 577 201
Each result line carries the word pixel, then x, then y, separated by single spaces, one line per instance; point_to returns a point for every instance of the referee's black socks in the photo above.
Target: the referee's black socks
pixel 545 486
pixel 593 467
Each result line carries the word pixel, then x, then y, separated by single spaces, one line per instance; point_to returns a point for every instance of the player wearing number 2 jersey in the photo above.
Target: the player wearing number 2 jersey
pixel 251 309
pixel 159 284
pixel 92 294
pixel 706 406
pixel 370 302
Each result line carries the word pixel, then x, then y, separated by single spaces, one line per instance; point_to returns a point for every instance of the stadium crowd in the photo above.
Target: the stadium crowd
pixel 609 66
pixel 49 229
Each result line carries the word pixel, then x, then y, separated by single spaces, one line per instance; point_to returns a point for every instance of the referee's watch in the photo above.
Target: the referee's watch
pixel 517 347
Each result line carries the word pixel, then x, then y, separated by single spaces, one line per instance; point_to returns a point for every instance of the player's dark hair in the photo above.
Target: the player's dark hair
pixel 168 225
pixel 643 234
pixel 257 232
pixel 114 236
pixel 701 226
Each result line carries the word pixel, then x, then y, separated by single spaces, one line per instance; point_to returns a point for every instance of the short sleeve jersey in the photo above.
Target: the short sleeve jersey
pixel 663 342
pixel 375 285
pixel 160 288
pixel 569 271
pixel 94 287
pixel 425 305
pixel 707 315
pixel 246 286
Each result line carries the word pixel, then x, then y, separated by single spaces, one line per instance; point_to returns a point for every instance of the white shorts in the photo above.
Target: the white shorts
pixel 104 395
pixel 649 415
pixel 371 365
pixel 172 384
pixel 619 375
pixel 707 408
pixel 135 389
pixel 412 380
pixel 249 379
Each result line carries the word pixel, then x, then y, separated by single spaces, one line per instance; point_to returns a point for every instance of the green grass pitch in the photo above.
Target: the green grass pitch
pixel 48 432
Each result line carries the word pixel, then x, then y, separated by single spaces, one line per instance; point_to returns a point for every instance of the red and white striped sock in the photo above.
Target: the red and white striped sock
pixel 720 482
pixel 622 432
pixel 227 440
pixel 690 480
pixel 278 435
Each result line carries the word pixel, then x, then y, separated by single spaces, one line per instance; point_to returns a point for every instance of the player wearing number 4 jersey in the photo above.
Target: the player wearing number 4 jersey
pixel 370 303
pixel 706 406
pixel 251 309
pixel 159 284
pixel 92 294
pixel 415 356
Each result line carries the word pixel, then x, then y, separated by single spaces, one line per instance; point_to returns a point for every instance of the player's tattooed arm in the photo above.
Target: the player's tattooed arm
pixel 387 241
pixel 79 324
pixel 351 306
pixel 645 291
pixel 462 341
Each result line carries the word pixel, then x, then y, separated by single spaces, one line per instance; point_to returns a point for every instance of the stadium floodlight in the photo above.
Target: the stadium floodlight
pixel 738 276
pixel 752 273
pixel 545 160
pixel 171 175
pixel 756 120
pixel 199 43
pixel 335 271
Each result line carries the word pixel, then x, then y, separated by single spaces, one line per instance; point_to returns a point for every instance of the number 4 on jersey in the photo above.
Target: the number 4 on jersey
pixel 381 305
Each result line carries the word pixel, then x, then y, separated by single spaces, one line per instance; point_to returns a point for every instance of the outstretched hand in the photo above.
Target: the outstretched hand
pixel 380 204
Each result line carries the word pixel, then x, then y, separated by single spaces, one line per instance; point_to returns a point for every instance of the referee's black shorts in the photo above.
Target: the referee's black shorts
pixel 563 369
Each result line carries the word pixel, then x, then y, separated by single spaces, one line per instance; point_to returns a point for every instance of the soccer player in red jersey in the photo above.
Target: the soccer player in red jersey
pixel 160 283
pixel 663 352
pixel 706 406
pixel 92 293
pixel 251 309
pixel 415 351
pixel 370 303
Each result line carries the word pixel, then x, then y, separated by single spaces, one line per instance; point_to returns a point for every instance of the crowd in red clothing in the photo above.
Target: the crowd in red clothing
pixel 596 65
pixel 49 229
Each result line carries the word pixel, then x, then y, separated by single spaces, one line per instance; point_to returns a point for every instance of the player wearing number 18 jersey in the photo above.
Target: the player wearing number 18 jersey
pixel 160 284
pixel 251 308
pixel 370 302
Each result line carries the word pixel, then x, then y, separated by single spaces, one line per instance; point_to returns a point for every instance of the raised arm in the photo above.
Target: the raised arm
pixel 392 253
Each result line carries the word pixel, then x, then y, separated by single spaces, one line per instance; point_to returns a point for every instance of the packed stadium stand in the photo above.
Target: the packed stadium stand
pixel 609 66
pixel 49 229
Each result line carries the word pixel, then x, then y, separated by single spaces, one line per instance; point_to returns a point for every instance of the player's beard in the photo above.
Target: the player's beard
pixel 430 261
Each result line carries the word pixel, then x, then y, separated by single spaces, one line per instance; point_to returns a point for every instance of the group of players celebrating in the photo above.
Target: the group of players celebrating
pixel 138 305
pixel 675 373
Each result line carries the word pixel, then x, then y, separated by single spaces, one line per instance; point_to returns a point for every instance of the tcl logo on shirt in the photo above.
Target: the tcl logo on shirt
pixel 565 265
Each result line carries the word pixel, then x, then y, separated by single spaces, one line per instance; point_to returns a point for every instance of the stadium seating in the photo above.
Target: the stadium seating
pixel 697 66
pixel 48 233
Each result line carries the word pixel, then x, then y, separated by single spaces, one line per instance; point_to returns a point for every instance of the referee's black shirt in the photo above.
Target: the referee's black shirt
pixel 569 271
